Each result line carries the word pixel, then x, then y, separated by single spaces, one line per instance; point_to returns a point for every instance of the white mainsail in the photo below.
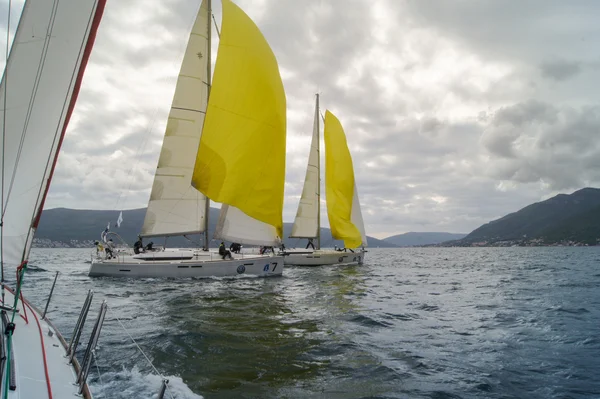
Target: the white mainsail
pixel 42 77
pixel 306 224
pixel 175 207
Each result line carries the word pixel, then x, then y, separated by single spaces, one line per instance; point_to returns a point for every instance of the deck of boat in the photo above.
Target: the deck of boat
pixel 41 366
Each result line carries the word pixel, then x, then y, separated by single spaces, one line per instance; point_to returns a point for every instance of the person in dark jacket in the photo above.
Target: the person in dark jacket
pixel 138 246
pixel 224 252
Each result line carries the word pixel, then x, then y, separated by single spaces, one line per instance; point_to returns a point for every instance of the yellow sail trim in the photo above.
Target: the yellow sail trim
pixel 339 184
pixel 241 157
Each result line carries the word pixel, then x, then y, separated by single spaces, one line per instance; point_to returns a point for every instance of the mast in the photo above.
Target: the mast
pixel 318 177
pixel 208 82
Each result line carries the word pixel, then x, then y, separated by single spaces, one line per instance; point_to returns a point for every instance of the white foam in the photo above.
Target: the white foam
pixel 132 383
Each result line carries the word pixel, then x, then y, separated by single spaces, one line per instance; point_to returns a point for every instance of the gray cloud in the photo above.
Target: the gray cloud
pixel 560 70
pixel 538 142
pixel 526 31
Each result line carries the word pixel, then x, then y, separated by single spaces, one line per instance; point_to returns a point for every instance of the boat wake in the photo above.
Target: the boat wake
pixel 132 383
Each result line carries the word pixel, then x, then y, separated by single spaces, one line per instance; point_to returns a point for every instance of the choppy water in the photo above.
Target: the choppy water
pixel 411 323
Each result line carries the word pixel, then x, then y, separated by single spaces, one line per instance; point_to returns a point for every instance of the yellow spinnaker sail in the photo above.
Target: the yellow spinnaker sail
pixel 241 157
pixel 340 186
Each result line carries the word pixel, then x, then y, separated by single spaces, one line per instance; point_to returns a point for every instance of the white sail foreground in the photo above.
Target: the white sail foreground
pixel 38 92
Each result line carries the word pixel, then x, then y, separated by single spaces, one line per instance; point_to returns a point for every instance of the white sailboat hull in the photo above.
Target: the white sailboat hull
pixel 203 267
pixel 323 258
pixel 29 357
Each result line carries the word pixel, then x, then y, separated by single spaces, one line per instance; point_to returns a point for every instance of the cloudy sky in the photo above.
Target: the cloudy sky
pixel 456 112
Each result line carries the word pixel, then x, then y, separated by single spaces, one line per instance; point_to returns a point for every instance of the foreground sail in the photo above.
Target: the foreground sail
pixel 238 159
pixel 38 92
pixel 41 90
pixel 342 202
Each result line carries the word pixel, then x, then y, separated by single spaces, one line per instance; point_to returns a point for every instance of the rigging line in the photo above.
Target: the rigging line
pixel 138 347
pixel 97 368
pixel 140 150
pixel 216 26
pixel 138 155
pixel 3 152
pixel 32 99
pixel 143 353
pixel 192 241
pixel 20 274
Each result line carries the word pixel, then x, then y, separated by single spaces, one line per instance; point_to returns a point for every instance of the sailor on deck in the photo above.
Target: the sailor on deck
pixel 224 252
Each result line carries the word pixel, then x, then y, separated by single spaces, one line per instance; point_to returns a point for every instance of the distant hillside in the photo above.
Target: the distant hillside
pixel 416 239
pixel 580 228
pixel 574 217
pixel 65 225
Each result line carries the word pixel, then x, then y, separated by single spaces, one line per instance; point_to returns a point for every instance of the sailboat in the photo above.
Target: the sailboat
pixel 343 206
pixel 224 142
pixel 38 92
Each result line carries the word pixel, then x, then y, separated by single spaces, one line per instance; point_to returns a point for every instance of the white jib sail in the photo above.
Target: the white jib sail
pixel 306 224
pixel 175 207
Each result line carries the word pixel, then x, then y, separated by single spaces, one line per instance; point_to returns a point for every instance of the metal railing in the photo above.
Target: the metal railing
pixel 50 296
pixel 91 347
pixel 89 355
pixel 79 326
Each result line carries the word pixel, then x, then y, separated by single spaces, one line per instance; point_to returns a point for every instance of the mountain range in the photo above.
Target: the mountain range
pixel 566 219
pixel 572 219
pixel 413 239
pixel 76 225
